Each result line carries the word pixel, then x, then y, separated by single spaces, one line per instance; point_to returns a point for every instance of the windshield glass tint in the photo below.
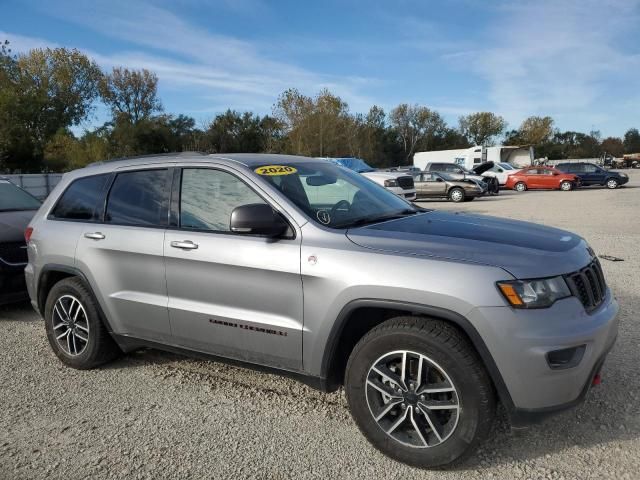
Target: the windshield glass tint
pixel 14 198
pixel 334 196
pixel 507 166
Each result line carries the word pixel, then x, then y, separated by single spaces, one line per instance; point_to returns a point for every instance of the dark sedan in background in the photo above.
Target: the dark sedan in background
pixel 591 174
pixel 17 207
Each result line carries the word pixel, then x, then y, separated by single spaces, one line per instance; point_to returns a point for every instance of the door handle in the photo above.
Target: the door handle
pixel 184 245
pixel 94 236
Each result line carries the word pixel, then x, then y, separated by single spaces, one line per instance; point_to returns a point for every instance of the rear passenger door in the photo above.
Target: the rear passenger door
pixel 237 296
pixel 123 253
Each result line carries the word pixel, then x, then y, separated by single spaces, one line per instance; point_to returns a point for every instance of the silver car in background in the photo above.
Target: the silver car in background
pixel 427 318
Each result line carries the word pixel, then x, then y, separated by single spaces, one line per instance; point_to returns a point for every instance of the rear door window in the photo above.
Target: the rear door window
pixel 139 198
pixel 82 200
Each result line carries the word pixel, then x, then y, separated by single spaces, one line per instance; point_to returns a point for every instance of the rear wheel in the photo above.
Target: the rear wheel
pixel 565 186
pixel 612 183
pixel 520 187
pixel 74 326
pixel 419 392
pixel 456 194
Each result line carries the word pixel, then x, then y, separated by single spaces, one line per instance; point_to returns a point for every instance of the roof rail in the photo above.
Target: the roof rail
pixel 150 155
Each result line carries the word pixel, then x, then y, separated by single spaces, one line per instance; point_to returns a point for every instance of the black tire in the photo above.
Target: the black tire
pixel 99 347
pixel 520 187
pixel 612 183
pixel 449 349
pixel 456 194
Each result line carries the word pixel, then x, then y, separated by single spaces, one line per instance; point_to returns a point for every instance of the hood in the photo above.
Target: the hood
pixel 526 250
pixel 483 167
pixel 13 225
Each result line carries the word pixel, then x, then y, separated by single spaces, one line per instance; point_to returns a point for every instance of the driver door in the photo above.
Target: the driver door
pixel 238 296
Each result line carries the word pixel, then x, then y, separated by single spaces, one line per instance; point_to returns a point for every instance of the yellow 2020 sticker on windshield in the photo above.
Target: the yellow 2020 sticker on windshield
pixel 274 170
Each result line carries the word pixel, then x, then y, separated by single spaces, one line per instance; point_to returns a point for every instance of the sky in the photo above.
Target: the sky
pixel 576 60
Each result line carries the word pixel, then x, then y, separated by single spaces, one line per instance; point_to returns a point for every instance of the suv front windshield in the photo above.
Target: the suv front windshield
pixel 13 198
pixel 334 196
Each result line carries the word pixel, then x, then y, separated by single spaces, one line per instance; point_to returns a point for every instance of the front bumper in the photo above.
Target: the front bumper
pixel 409 194
pixel 519 341
pixel 623 180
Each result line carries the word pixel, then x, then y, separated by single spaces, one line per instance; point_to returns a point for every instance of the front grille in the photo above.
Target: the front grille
pixel 588 285
pixel 406 183
pixel 13 252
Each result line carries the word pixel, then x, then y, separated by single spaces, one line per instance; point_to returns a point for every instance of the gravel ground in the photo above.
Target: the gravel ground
pixel 156 415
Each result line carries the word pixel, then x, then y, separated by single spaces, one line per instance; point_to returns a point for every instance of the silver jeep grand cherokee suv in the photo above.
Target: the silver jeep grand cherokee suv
pixel 427 318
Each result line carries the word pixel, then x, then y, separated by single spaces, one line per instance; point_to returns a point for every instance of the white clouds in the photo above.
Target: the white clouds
pixel 186 56
pixel 558 58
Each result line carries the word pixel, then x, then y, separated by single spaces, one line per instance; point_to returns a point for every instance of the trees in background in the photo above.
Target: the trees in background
pixel 613 146
pixel 46 94
pixel 42 93
pixel 416 126
pixel 632 141
pixel 482 127
pixel 533 131
pixel 132 94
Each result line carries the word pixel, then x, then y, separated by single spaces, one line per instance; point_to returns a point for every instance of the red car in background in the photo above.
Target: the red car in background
pixel 541 178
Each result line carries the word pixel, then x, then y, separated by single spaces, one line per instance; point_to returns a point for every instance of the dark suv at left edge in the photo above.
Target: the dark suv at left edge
pixel 17 207
pixel 591 174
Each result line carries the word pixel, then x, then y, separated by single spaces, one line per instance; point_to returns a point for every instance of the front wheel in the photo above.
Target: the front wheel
pixel 520 187
pixel 456 195
pixel 612 183
pixel 566 186
pixel 419 392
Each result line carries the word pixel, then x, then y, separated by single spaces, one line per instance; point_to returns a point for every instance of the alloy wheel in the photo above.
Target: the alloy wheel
pixel 612 184
pixel 412 399
pixel 566 186
pixel 70 325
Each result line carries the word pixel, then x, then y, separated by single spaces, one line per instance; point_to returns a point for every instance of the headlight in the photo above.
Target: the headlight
pixel 539 293
pixel 391 183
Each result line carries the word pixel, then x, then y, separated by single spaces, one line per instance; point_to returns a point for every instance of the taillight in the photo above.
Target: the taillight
pixel 27 234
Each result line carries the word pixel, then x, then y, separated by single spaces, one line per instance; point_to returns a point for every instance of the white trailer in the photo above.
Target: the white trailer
pixel 470 157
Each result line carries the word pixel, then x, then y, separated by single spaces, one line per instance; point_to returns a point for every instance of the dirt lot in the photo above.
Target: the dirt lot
pixel 155 415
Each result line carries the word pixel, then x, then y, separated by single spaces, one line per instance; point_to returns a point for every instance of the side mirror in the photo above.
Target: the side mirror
pixel 257 219
pixel 556 173
pixel 438 179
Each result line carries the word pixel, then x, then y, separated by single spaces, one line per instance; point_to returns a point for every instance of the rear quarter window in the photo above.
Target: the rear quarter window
pixel 81 200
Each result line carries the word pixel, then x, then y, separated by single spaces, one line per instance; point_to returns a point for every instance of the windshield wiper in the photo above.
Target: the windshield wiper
pixel 376 219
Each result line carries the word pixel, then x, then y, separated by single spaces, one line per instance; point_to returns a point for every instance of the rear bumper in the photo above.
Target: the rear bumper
pixel 520 342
